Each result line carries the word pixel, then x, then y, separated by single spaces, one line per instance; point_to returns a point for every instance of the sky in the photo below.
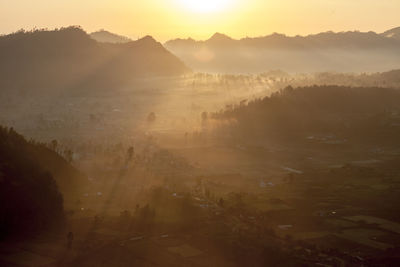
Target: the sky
pixel 199 19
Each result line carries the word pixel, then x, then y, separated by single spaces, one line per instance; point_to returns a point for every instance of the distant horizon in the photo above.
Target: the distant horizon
pixel 133 38
pixel 169 19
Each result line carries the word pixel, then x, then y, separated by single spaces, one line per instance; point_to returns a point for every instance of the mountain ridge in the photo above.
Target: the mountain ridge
pixel 323 36
pixel 70 59
pixel 104 36
pixel 392 33
pixel 350 51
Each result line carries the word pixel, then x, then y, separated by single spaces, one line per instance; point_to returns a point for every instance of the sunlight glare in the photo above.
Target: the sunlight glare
pixel 205 6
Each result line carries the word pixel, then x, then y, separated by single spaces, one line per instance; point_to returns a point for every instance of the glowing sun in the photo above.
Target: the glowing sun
pixel 205 6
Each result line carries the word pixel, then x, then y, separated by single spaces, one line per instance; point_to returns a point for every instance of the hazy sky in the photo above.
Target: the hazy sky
pixel 165 19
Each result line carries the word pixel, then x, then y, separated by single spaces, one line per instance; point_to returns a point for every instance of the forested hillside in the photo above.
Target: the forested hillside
pixel 358 113
pixel 69 59
pixel 31 176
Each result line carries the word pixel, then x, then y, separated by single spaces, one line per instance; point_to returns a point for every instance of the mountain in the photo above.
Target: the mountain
pixel 32 177
pixel 219 39
pixel 357 114
pixel 328 51
pixel 103 36
pixel 70 60
pixel 393 33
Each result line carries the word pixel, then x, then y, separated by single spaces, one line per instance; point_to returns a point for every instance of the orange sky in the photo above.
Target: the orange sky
pixel 166 19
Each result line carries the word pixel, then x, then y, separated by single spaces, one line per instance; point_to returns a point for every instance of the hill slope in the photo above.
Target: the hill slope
pixel 328 51
pixel 30 200
pixel 356 114
pixel 103 36
pixel 70 59
pixel 393 33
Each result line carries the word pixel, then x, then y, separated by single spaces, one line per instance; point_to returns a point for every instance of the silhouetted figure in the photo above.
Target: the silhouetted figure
pixel 221 202
pixel 70 238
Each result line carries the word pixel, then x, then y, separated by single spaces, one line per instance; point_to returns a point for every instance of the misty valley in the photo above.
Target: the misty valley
pixel 269 151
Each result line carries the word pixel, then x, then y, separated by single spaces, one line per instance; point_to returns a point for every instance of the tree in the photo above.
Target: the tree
pixel 151 117
pixel 204 116
pixel 131 153
pixel 53 145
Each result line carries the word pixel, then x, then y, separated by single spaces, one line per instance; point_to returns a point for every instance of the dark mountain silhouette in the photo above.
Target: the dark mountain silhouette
pixel 103 36
pixel 328 51
pixel 368 114
pixel 393 33
pixel 69 58
pixel 66 176
pixel 30 177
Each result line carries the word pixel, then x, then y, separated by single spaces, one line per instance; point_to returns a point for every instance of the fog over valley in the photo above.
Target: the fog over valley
pixel 261 151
